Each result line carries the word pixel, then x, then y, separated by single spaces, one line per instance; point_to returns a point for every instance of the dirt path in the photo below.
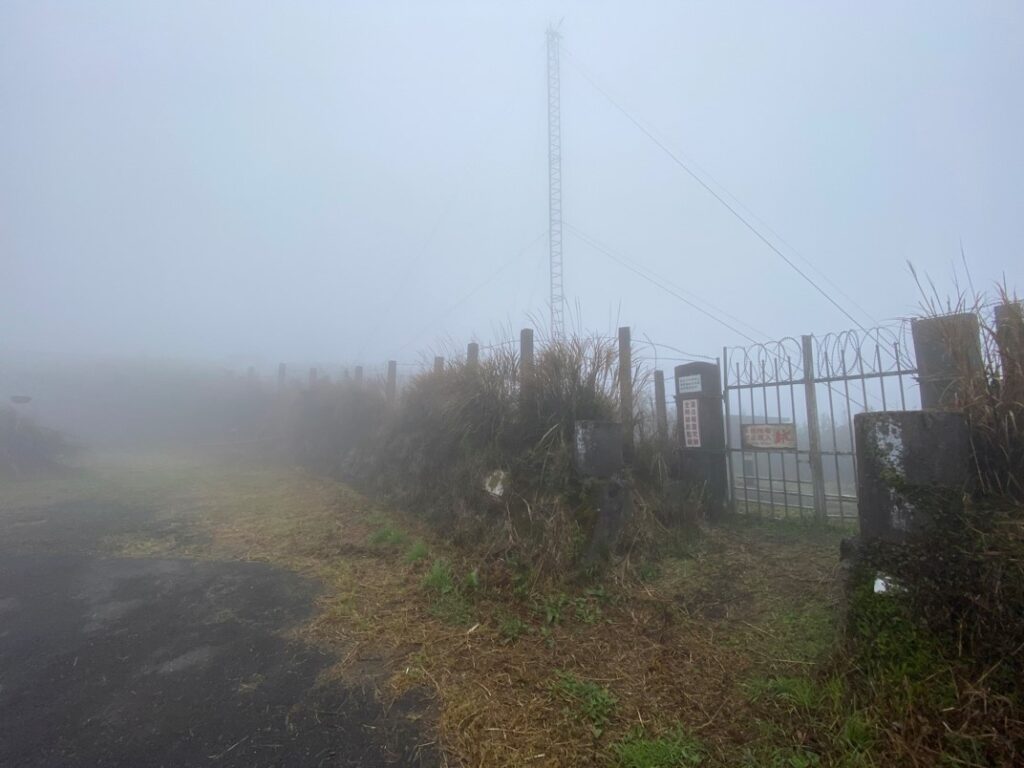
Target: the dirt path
pixel 169 662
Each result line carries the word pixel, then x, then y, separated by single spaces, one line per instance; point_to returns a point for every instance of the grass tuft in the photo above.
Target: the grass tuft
pixel 675 749
pixel 591 702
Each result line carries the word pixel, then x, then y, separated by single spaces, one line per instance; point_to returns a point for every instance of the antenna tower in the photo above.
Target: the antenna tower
pixel 555 181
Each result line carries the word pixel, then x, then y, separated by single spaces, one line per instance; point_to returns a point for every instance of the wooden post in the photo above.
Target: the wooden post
pixel 391 388
pixel 472 355
pixel 282 371
pixel 626 391
pixel 660 409
pixel 359 374
pixel 438 364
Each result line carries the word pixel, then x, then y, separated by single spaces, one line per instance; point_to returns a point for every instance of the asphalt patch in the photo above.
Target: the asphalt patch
pixel 140 662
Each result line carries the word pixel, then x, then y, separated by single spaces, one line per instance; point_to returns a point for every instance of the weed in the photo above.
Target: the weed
pixel 794 693
pixel 418 551
pixel 781 757
pixel 593 703
pixel 586 611
pixel 551 607
pixel 676 749
pixel 512 628
pixel 648 572
pixel 388 537
pixel 439 578
pixel 450 604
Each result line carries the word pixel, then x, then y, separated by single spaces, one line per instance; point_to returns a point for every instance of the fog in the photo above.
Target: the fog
pixel 341 183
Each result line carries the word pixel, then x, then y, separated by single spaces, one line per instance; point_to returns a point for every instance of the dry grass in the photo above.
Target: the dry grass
pixel 675 651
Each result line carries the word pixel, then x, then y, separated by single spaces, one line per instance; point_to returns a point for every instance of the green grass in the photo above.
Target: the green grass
pixel 439 578
pixel 676 749
pixel 449 602
pixel 795 693
pixel 551 608
pixel 511 628
pixel 590 701
pixel 783 757
pixel 586 611
pixel 417 552
pixel 388 537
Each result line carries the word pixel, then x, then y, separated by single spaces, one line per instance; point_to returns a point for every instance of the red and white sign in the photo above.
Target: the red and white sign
pixel 691 424
pixel 769 437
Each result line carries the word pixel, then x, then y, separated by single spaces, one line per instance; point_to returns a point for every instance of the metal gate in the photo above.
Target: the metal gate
pixel 789 408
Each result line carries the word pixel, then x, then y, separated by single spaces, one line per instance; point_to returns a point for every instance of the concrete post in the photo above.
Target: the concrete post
pixel 1010 340
pixel 626 391
pixel 438 364
pixel 359 374
pixel 282 372
pixel 660 409
pixel 948 350
pixel 905 459
pixel 391 387
pixel 814 432
pixel 598 456
pixel 472 355
pixel 525 352
pixel 702 429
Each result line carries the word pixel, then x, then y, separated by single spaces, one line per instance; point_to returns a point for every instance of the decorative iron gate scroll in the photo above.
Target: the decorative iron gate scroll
pixel 789 408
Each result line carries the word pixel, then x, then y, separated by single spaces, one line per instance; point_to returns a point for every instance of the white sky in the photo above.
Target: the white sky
pixel 336 182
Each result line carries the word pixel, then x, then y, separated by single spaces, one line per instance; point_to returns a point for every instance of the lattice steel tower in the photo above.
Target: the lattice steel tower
pixel 555 182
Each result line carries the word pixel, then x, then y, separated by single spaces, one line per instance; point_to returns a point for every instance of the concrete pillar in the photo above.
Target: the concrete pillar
pixel 1010 340
pixel 598 456
pixel 948 350
pixel 626 390
pixel 701 424
pixel 597 451
pixel 906 461
pixel 526 350
pixel 472 354
pixel 391 386
pixel 660 409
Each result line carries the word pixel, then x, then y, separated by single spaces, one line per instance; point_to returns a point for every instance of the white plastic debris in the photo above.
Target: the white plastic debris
pixel 885 584
pixel 496 482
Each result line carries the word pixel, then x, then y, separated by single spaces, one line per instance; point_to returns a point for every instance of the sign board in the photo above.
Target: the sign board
pixel 691 423
pixel 769 437
pixel 686 385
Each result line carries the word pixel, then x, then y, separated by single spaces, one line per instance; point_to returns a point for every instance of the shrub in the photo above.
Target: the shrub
pixel 25 447
pixel 453 428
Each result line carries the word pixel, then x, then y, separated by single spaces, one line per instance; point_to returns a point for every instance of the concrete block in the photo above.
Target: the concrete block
pixel 598 448
pixel 903 457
